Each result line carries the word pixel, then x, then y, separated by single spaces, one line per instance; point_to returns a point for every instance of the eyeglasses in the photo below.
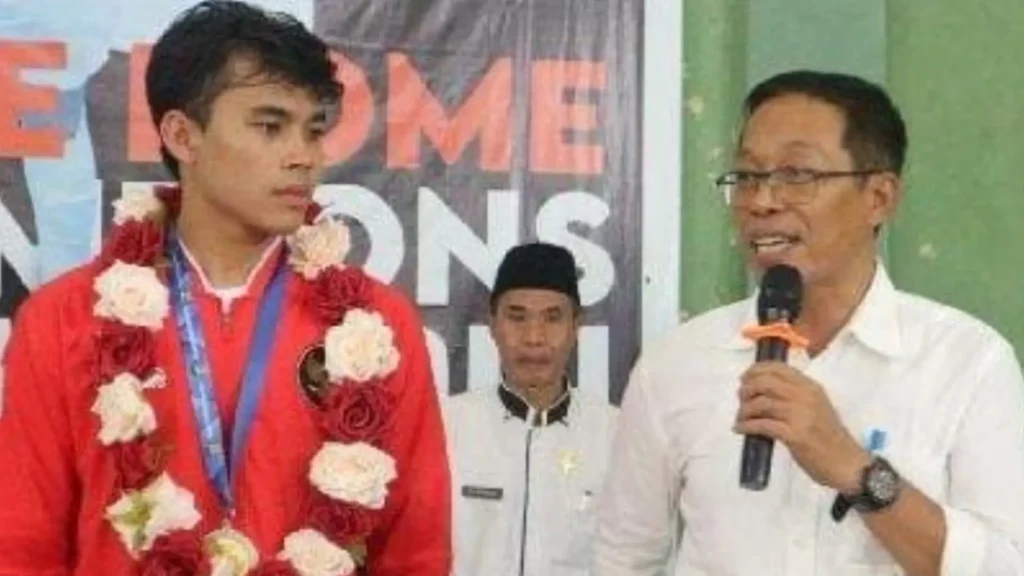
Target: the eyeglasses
pixel 790 186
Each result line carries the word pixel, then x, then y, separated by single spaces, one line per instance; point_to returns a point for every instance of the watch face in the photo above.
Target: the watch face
pixel 882 483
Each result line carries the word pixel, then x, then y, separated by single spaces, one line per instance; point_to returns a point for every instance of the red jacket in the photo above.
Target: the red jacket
pixel 56 479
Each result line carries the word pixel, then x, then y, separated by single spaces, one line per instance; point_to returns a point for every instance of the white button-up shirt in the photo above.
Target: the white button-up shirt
pixel 526 484
pixel 940 388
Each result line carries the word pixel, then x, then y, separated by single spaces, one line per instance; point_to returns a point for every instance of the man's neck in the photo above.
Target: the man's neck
pixel 226 251
pixel 827 307
pixel 540 398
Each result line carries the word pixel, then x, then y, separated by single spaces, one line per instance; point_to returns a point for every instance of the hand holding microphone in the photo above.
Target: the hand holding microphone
pixel 778 303
pixel 778 402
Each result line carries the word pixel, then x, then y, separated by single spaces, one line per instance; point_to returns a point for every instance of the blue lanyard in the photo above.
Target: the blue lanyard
pixel 200 379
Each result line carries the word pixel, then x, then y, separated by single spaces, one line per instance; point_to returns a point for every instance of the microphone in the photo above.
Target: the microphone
pixel 778 301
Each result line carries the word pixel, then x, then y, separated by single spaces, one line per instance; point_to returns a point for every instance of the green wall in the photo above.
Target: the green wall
pixel 954 69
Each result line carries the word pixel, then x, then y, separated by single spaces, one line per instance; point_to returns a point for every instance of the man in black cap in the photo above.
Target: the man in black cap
pixel 528 459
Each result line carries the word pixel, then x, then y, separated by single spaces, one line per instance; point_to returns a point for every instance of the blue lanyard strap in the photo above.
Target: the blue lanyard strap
pixel 200 378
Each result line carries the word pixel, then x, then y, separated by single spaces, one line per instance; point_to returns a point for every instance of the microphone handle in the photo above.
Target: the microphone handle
pixel 756 466
pixel 772 350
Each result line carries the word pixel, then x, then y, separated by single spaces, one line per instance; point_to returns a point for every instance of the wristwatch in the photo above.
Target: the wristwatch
pixel 879 488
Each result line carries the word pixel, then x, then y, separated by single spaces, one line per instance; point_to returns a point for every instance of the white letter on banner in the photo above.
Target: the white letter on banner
pixel 438 351
pixel 387 239
pixel 443 234
pixel 484 365
pixel 592 360
pixel 553 221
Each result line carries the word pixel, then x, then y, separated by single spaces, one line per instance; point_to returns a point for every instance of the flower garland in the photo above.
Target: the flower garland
pixel 155 517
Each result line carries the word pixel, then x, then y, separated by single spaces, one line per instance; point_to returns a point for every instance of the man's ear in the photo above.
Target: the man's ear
pixel 885 191
pixel 181 135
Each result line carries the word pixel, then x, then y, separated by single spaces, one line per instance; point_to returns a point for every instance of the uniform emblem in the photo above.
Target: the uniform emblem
pixel 568 462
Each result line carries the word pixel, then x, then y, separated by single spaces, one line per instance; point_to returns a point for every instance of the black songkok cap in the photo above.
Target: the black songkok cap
pixel 537 265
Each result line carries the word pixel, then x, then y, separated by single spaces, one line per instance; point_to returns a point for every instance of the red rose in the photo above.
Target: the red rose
pixel 171 197
pixel 121 348
pixel 335 291
pixel 139 462
pixel 341 522
pixel 312 212
pixel 357 412
pixel 134 242
pixel 179 553
pixel 274 567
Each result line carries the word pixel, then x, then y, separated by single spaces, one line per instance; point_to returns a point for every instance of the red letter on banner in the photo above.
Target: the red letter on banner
pixel 553 116
pixel 16 98
pixel 413 110
pixel 143 140
pixel 357 112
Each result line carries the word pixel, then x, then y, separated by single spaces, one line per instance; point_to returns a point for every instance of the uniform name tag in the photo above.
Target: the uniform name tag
pixel 482 492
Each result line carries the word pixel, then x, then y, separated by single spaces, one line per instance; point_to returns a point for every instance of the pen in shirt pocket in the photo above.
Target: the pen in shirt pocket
pixel 875 440
pixel 585 501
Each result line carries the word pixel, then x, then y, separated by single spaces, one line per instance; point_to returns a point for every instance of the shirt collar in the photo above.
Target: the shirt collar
pixel 258 276
pixel 518 407
pixel 875 323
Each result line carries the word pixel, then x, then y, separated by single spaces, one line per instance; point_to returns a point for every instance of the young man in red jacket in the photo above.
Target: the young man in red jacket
pixel 217 391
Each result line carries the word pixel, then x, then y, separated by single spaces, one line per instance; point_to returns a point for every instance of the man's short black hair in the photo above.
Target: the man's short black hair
pixel 188 66
pixel 875 134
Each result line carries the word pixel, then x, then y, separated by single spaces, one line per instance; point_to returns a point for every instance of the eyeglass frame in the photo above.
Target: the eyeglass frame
pixel 772 178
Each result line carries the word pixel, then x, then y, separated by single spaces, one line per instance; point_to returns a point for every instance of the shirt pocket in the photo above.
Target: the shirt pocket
pixel 575 556
pixel 481 525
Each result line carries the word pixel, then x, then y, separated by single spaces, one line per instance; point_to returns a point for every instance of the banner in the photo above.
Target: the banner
pixel 467 126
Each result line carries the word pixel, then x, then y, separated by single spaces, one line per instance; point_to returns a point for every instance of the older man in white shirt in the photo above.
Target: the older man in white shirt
pixel 905 413
pixel 529 455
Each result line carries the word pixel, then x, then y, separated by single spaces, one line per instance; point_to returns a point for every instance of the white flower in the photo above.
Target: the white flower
pixel 136 204
pixel 357 473
pixel 362 347
pixel 140 517
pixel 124 412
pixel 312 554
pixel 132 294
pixel 230 553
pixel 319 246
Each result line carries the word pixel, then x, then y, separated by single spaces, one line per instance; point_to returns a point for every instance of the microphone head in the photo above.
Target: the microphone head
pixel 780 295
